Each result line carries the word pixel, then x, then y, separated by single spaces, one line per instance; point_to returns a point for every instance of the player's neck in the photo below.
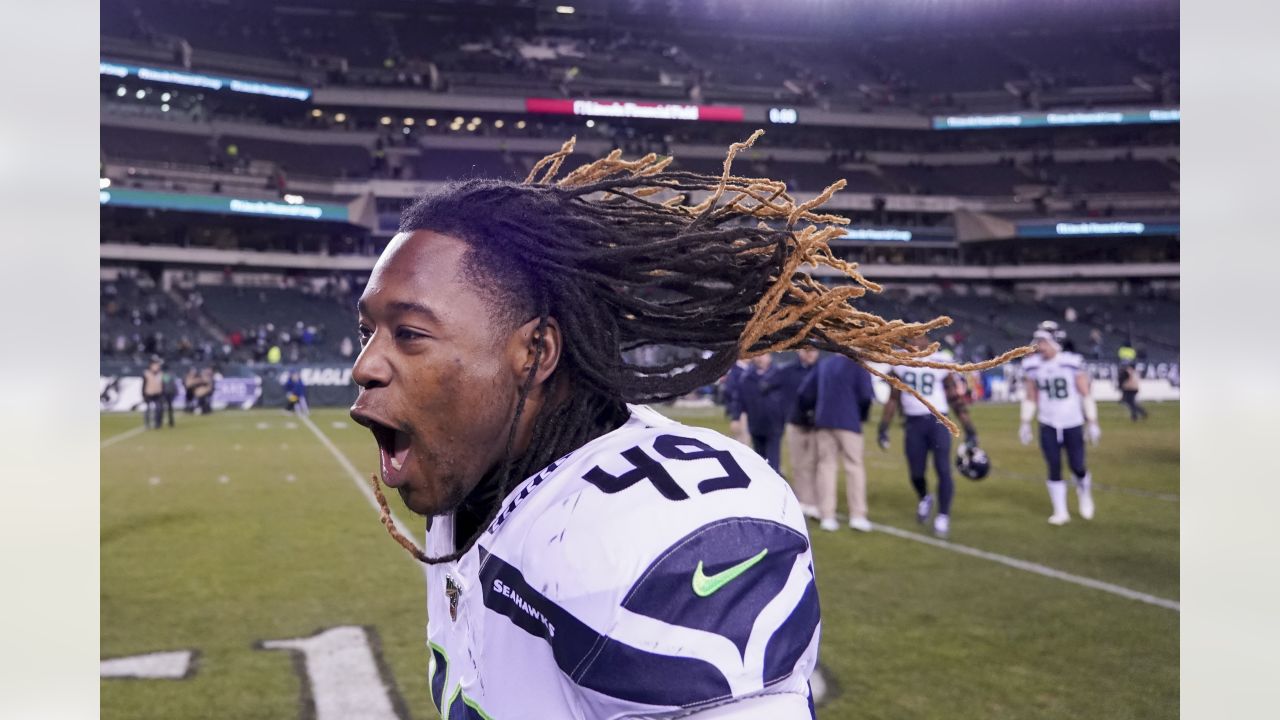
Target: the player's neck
pixel 473 511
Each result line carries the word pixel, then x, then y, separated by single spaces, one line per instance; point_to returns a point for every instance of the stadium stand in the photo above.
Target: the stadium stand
pixel 367 45
pixel 138 321
pixel 900 174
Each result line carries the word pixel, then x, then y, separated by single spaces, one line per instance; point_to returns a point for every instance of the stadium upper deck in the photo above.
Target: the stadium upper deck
pixel 884 59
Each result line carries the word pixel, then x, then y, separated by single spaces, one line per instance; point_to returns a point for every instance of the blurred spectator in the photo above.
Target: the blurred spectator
pixel 802 446
pixel 764 400
pixel 153 394
pixel 839 393
pixel 732 392
pixel 295 393
pixel 1130 383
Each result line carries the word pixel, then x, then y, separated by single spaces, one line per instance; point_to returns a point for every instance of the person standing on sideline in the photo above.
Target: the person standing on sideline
pixel 169 392
pixel 839 393
pixel 295 392
pixel 1129 385
pixel 732 386
pixel 800 433
pixel 762 401
pixel 153 394
pixel 190 382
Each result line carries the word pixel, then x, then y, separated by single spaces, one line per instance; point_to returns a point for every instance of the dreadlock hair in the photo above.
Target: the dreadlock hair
pixel 626 254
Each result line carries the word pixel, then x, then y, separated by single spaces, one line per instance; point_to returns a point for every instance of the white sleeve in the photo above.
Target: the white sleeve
pixel 778 706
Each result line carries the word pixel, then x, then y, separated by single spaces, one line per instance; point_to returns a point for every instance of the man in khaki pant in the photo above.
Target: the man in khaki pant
pixel 839 393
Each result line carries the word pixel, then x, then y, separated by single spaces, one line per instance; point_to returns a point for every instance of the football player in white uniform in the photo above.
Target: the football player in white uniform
pixel 587 557
pixel 1058 396
pixel 925 434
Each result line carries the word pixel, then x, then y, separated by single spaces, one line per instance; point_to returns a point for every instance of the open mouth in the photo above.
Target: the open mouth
pixel 394 447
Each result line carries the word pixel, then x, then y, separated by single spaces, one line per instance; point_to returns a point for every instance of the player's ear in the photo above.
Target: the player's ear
pixel 529 338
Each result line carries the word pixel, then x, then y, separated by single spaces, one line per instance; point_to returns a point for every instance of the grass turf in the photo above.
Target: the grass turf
pixel 190 561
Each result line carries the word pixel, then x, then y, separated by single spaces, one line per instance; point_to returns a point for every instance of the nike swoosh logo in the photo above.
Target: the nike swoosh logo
pixel 705 585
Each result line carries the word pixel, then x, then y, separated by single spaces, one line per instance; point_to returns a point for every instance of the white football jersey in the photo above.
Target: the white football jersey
pixel 656 570
pixel 1058 398
pixel 926 381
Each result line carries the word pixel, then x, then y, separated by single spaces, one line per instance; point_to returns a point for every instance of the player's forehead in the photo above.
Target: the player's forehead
pixel 420 269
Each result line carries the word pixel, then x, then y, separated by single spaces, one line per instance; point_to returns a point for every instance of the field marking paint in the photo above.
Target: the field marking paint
pixel 1030 567
pixel 359 479
pixel 341 676
pixel 175 665
pixel 123 436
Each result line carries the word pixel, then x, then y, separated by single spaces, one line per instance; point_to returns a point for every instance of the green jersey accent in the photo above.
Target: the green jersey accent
pixel 705 585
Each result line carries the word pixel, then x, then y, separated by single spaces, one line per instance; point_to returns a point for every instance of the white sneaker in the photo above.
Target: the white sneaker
pixel 830 525
pixel 1084 495
pixel 810 511
pixel 923 508
pixel 1059 519
pixel 942 526
pixel 860 524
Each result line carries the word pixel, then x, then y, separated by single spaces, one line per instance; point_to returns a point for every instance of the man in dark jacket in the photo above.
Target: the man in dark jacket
pixel 731 387
pixel 762 400
pixel 839 393
pixel 801 435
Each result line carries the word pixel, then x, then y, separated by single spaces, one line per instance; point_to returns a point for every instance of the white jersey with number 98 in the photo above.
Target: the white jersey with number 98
pixel 926 381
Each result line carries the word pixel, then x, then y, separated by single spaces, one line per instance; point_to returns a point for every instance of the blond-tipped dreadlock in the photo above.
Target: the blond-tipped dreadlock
pixel 621 254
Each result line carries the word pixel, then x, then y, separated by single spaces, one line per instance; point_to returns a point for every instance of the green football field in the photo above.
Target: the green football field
pixel 243 528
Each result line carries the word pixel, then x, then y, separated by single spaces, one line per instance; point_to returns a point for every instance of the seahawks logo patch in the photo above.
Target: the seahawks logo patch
pixel 452 591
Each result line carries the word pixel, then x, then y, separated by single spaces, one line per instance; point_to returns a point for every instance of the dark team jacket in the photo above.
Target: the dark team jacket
pixel 790 377
pixel 764 399
pixel 839 393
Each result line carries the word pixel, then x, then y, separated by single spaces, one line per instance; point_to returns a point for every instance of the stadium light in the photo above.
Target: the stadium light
pixel 140 94
pixel 293 199
pixel 591 123
pixel 165 97
pixel 317 112
pixel 121 91
pixel 406 130
pixel 408 121
pixel 340 117
pixel 498 123
pixel 564 9
pixel 459 120
pixel 431 122
pixel 520 125
pixel 386 120
pixel 164 107
pixel 104 183
pixel 475 121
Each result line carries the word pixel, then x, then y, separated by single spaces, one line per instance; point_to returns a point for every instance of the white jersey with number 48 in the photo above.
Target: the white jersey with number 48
pixel 657 570
pixel 1057 397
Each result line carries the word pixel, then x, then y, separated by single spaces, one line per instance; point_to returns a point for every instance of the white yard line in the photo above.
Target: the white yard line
pixel 1030 567
pixel 123 436
pixel 361 481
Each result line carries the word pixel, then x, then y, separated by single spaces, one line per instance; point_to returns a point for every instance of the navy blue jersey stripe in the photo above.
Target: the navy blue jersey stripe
pixel 791 640
pixel 665 590
pixel 595 661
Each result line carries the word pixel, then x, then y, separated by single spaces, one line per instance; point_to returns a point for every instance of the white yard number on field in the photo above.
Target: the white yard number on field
pixel 342 675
